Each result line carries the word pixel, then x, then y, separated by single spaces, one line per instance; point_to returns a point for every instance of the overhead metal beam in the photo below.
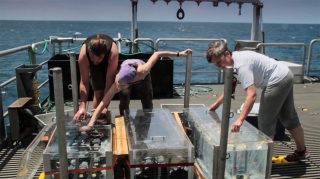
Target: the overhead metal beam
pixel 256 28
pixel 134 25
pixel 255 2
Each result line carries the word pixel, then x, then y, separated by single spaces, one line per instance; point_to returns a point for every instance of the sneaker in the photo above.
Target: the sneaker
pixel 298 155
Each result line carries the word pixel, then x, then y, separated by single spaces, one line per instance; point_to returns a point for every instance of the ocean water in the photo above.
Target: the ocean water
pixel 18 33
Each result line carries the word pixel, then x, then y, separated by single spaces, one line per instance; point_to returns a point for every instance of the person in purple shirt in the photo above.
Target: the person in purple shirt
pixel 128 68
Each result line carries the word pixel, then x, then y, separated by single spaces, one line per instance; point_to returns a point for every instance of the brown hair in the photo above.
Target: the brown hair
pixel 98 46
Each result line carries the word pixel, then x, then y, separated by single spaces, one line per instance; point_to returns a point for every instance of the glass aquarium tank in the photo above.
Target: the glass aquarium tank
pixel 89 154
pixel 248 151
pixel 158 147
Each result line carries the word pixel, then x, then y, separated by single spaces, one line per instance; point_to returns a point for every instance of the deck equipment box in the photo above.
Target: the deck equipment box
pixel 248 151
pixel 296 69
pixel 63 61
pixel 158 147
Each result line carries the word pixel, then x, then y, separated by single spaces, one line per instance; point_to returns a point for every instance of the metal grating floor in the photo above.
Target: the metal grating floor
pixel 309 168
pixel 9 161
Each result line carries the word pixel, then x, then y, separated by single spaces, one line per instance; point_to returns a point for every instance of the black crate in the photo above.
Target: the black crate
pixel 62 61
pixel 280 130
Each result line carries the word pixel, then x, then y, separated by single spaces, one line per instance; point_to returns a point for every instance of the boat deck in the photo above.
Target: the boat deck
pixel 307 97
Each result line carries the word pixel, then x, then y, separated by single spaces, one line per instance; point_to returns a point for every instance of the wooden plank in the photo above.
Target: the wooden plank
pixel 20 102
pixel 114 137
pixel 198 174
pixel 177 118
pixel 187 130
pixel 120 138
pixel 14 116
pixel 45 139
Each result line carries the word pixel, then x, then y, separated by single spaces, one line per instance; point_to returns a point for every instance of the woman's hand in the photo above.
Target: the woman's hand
pixel 235 127
pixel 81 113
pixel 185 52
pixel 213 107
pixel 85 128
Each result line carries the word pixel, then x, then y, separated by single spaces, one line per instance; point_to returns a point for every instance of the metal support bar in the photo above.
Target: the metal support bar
pixel 269 159
pixel 228 71
pixel 119 43
pixel 185 40
pixel 52 49
pixel 134 28
pixel 60 47
pixel 61 129
pixel 11 80
pixel 2 128
pixel 2 115
pixel 218 1
pixel 42 84
pixel 74 81
pixel 187 81
pixel 20 48
pixel 32 55
pixel 256 23
pixel 158 41
pixel 137 40
pixel 310 55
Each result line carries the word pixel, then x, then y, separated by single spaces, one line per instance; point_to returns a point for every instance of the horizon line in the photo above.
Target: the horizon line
pixel 57 20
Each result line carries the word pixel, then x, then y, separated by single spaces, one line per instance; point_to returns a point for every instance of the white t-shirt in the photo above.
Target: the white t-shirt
pixel 258 69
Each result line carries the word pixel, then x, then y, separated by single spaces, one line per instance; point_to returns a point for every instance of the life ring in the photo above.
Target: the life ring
pixel 180 13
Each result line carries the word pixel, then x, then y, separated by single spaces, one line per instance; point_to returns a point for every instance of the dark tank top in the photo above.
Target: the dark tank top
pixel 98 72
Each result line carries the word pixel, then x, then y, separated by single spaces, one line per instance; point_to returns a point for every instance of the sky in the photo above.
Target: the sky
pixel 274 11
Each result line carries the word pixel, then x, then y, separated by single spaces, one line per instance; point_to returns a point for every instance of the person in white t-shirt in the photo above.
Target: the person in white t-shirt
pixel 255 70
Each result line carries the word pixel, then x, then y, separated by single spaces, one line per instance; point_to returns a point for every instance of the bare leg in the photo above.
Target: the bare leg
pixel 298 137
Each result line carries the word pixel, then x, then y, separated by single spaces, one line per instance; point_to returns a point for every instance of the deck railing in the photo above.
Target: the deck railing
pixel 188 62
pixel 310 60
pixel 302 45
pixel 30 49
pixel 57 47
pixel 193 40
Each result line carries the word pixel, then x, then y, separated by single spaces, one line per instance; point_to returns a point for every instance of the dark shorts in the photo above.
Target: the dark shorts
pixel 144 91
pixel 98 78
